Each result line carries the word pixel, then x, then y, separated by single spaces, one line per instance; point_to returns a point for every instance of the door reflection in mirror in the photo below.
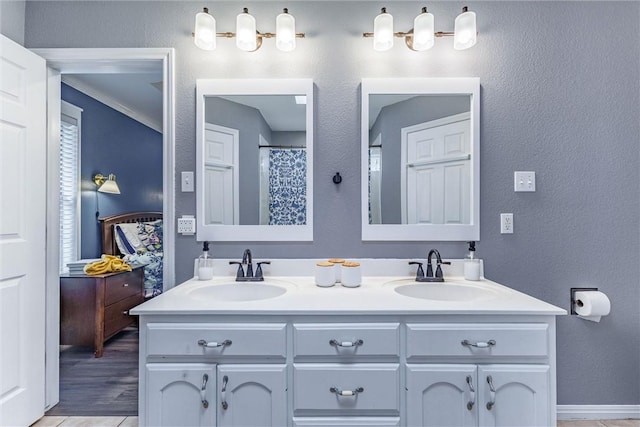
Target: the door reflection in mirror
pixel 255 160
pixel 419 159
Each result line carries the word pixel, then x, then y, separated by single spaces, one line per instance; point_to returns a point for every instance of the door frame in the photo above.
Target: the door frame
pixel 108 60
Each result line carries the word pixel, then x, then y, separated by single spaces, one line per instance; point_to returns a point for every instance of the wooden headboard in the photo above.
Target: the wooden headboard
pixel 108 223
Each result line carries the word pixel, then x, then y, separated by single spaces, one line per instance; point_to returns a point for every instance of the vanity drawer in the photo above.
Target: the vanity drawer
pixel 224 339
pixel 344 340
pixel 509 339
pixel 375 388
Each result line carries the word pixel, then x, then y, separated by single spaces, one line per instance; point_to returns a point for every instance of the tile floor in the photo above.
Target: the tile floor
pixel 58 421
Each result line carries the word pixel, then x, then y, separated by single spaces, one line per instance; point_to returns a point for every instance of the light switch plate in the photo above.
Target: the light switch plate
pixel 187 182
pixel 524 181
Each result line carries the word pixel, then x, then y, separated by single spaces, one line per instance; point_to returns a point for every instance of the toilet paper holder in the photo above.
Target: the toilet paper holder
pixel 573 297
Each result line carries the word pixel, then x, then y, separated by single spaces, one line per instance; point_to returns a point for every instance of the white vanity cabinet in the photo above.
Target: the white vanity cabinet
pixel 482 389
pixel 347 370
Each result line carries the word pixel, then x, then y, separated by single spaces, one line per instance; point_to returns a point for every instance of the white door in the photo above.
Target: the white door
pixel 252 395
pixel 441 395
pixel 23 217
pixel 221 175
pixel 514 395
pixel 435 164
pixel 180 394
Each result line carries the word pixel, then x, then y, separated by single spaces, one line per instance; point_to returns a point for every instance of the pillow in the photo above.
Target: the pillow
pixel 150 235
pixel 127 238
pixel 139 237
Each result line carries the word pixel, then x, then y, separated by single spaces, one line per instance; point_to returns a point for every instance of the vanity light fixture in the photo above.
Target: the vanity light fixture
pixel 422 35
pixel 106 184
pixel 248 38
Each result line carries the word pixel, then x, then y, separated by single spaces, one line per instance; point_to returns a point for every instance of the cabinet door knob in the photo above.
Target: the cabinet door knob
pixel 472 393
pixel 203 390
pixel 492 393
pixel 223 393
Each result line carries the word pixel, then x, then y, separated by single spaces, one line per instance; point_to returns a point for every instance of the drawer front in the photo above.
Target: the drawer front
pixel 116 316
pixel 123 285
pixel 218 339
pixel 346 421
pixel 359 388
pixel 458 339
pixel 344 340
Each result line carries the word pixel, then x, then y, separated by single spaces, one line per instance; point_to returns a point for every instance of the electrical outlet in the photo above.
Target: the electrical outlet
pixel 524 181
pixel 506 223
pixel 187 225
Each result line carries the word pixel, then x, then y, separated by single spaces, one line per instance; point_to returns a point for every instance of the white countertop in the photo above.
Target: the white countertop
pixel 375 296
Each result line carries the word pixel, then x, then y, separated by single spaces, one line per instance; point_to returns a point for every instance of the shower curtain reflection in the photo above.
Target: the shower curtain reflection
pixel 283 186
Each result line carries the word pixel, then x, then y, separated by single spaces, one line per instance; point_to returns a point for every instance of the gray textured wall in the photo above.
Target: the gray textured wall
pixel 560 95
pixel 12 19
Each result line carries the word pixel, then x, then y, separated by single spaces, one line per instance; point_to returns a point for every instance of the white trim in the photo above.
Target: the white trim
pixel 598 412
pixel 111 102
pixel 116 60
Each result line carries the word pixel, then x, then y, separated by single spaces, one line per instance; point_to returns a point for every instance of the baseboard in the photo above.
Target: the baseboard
pixel 598 412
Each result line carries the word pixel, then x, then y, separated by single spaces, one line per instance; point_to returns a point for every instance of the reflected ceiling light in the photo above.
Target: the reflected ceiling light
pixel 422 35
pixel 248 38
pixel 106 185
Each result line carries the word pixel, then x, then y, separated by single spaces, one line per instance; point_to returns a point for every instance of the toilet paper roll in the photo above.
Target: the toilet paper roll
pixel 592 305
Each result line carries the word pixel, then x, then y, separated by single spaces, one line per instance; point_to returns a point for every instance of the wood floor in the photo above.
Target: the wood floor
pixel 107 386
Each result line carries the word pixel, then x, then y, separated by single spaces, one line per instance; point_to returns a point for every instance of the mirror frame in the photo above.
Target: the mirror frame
pixel 422 86
pixel 242 233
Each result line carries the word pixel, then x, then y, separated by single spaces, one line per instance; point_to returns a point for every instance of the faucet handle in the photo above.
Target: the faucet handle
pixel 420 271
pixel 240 272
pixel 439 270
pixel 258 274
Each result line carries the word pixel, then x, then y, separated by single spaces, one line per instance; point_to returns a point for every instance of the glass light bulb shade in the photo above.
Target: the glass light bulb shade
pixel 246 32
pixel 285 32
pixel 423 31
pixel 465 31
pixel 383 32
pixel 110 185
pixel 205 31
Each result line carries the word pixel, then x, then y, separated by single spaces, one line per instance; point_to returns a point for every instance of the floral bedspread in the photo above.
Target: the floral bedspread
pixel 141 244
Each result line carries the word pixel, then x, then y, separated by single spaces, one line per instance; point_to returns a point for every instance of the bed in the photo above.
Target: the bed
pixel 137 238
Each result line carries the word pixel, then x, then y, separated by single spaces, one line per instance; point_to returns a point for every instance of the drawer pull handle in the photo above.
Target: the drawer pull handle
pixel 479 344
pixel 472 393
pixel 223 393
pixel 492 393
pixel 205 343
pixel 346 393
pixel 337 343
pixel 126 312
pixel 125 285
pixel 203 389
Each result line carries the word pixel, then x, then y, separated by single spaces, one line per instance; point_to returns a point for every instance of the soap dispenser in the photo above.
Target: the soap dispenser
pixel 205 264
pixel 472 264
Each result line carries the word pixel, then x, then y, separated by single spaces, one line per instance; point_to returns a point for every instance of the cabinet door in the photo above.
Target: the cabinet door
pixel 252 395
pixel 180 394
pixel 441 395
pixel 514 395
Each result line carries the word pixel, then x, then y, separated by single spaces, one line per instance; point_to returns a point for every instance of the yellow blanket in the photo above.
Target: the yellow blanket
pixel 107 264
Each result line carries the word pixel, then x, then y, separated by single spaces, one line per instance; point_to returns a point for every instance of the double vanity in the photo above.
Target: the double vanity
pixel 391 352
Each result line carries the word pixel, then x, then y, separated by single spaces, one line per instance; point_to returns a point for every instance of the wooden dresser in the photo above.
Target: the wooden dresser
pixel 94 308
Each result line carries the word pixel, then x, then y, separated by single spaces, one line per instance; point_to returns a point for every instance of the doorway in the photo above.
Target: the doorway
pixel 87 61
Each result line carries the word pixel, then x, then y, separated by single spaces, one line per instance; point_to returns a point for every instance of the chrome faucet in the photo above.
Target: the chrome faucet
pixel 246 275
pixel 421 276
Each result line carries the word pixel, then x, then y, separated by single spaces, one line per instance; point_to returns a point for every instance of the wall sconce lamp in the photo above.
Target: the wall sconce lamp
pixel 248 38
pixel 422 35
pixel 106 185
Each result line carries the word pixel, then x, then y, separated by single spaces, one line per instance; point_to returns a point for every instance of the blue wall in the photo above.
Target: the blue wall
pixel 114 143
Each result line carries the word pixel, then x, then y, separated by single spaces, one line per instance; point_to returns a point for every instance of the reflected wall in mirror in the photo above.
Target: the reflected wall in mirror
pixel 420 162
pixel 254 159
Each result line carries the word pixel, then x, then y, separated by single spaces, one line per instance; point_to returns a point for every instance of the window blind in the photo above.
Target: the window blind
pixel 70 124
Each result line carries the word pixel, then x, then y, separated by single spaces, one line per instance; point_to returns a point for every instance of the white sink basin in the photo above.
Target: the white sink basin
pixel 446 291
pixel 237 291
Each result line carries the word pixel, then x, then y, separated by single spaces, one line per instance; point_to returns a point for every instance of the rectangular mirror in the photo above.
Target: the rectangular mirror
pixel 420 159
pixel 254 159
